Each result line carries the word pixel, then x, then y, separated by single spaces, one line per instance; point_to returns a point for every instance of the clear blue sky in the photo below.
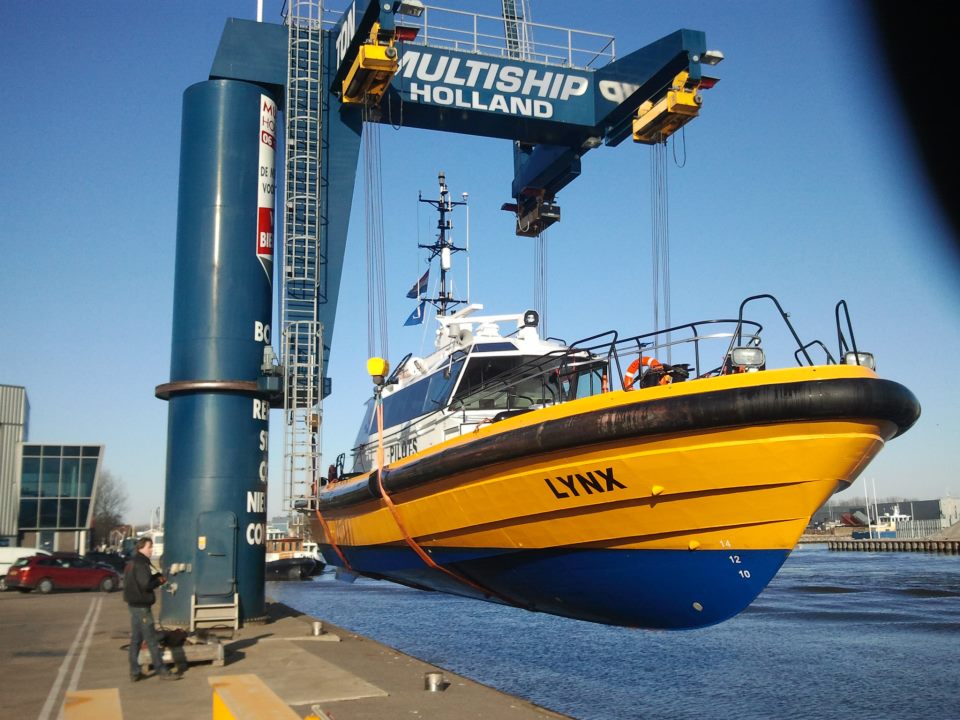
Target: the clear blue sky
pixel 800 180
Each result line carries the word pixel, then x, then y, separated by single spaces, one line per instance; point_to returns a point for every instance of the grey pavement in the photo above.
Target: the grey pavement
pixel 50 644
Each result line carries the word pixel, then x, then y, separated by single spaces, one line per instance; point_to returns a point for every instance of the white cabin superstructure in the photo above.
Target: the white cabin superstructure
pixel 431 399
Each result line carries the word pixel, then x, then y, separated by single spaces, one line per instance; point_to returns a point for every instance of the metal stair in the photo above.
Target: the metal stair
pixel 217 615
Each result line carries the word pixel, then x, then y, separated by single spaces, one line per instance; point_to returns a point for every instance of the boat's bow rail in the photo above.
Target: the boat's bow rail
pixel 607 361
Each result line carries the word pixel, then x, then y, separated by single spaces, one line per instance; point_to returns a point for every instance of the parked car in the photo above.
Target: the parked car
pixel 9 555
pixel 114 560
pixel 45 573
pixel 65 555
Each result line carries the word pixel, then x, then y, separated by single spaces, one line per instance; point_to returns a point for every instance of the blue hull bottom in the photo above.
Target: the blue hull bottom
pixel 668 589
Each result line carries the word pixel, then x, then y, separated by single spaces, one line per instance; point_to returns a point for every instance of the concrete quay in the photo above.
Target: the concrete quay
pixel 77 641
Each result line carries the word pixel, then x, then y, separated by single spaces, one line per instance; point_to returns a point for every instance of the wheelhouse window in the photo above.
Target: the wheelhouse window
pixel 440 386
pixel 502 382
pixel 586 379
pixel 518 382
pixel 365 424
pixel 422 397
pixel 405 404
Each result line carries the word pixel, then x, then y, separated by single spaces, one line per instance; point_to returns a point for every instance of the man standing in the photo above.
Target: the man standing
pixel 139 581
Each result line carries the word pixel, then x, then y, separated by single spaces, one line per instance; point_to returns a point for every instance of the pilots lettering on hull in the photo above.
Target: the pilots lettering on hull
pixel 401 449
pixel 512 88
pixel 586 483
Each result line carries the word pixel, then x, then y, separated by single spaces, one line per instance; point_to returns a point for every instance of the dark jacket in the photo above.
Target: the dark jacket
pixel 139 580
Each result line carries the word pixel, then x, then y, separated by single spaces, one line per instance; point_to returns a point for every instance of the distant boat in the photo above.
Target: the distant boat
pixel 287 558
pixel 312 550
pixel 289 568
pixel 885 526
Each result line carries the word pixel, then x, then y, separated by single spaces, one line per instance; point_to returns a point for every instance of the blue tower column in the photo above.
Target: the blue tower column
pixel 217 432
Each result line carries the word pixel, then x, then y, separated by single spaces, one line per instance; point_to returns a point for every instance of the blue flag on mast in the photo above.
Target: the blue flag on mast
pixel 416 317
pixel 419 287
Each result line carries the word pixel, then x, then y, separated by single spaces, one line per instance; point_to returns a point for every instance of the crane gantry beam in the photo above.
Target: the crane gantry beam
pixel 555 111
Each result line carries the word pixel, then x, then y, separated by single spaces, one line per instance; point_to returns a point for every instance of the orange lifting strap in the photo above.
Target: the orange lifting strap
pixel 406 535
pixel 333 543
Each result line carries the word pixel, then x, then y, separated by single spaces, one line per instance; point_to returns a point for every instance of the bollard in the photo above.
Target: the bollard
pixel 317 628
pixel 433 682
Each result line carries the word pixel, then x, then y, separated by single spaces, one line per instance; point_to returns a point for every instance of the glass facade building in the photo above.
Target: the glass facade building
pixel 57 491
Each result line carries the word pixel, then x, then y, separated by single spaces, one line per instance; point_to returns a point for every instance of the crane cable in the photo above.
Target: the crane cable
pixel 375 255
pixel 375 261
pixel 540 279
pixel 660 239
pixel 516 19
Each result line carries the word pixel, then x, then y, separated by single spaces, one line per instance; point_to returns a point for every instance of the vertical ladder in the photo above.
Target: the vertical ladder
pixel 304 260
pixel 515 28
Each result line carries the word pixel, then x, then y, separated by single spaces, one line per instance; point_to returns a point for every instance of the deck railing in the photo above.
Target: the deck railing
pixel 486 34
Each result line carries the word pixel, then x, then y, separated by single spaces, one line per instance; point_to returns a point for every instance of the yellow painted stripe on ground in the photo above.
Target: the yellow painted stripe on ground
pixel 247 697
pixel 93 705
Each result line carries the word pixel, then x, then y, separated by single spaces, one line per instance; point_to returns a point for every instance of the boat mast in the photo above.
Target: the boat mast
pixel 443 246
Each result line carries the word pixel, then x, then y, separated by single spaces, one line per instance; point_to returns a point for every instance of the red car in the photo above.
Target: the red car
pixel 44 573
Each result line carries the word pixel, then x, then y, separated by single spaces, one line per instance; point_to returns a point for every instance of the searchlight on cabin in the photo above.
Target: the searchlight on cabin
pixel 747 359
pixel 860 358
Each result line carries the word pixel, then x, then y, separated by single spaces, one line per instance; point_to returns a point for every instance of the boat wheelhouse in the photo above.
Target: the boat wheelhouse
pixel 461 386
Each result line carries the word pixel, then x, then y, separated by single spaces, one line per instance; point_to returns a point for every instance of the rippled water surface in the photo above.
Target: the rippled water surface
pixel 835 635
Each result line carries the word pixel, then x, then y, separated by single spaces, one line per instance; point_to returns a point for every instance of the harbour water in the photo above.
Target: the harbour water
pixel 835 635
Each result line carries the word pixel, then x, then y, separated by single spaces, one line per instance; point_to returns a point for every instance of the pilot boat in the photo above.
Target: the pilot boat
pixel 656 480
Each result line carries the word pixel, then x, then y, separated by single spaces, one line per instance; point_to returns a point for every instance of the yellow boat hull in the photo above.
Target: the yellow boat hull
pixel 625 491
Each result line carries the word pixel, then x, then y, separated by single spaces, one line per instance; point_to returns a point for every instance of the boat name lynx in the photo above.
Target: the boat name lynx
pixel 589 483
